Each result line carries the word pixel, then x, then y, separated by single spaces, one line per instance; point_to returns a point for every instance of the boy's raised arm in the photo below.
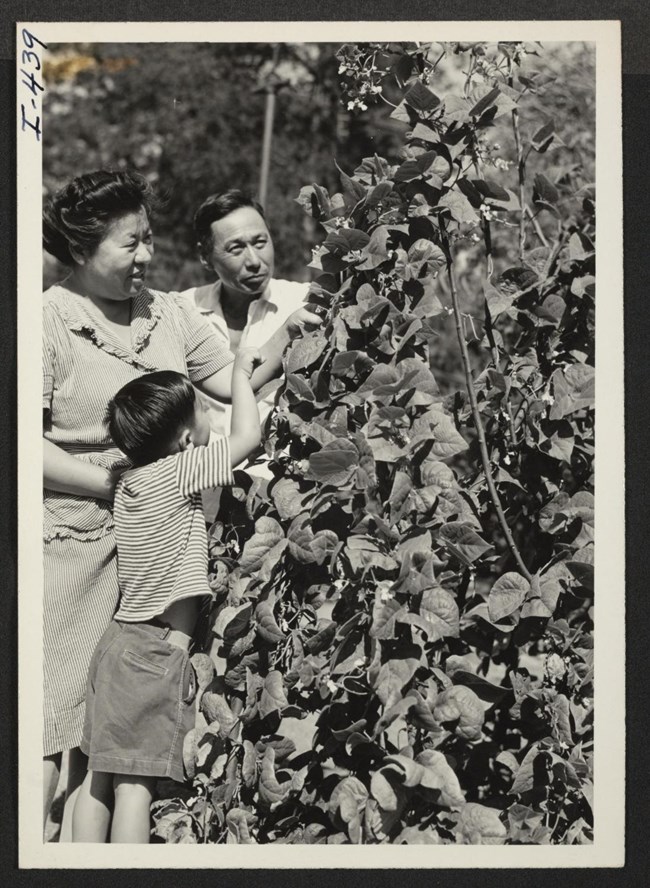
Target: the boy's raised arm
pixel 245 431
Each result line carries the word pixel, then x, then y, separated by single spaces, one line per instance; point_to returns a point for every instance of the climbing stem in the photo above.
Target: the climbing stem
pixel 480 432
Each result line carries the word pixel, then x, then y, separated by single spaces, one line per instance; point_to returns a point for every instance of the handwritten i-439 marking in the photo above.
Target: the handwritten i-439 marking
pixel 30 58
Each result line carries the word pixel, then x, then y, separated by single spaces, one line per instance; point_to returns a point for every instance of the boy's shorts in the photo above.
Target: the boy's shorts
pixel 139 702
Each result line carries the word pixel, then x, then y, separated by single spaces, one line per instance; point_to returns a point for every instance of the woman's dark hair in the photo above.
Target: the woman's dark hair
pixel 216 207
pixel 78 215
pixel 146 414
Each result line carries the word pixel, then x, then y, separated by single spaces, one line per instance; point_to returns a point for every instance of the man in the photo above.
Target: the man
pixel 246 304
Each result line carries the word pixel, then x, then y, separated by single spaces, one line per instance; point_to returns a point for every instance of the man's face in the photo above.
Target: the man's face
pixel 242 252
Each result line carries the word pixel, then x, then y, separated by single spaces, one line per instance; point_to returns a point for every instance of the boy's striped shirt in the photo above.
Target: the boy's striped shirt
pixel 162 552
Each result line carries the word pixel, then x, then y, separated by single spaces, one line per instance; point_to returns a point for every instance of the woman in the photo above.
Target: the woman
pixel 102 327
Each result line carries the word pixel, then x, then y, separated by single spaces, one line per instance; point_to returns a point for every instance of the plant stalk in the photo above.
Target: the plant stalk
pixel 489 331
pixel 521 173
pixel 471 391
pixel 536 226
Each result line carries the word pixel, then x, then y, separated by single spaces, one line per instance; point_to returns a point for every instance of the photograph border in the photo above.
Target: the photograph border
pixel 29 446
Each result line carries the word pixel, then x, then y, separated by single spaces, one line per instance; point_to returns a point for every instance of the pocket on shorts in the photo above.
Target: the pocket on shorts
pixel 142 663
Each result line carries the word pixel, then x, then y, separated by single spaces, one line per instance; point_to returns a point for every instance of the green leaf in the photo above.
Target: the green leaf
pixel 323 545
pixel 490 189
pixel 233 621
pixel 438 617
pixel 556 439
pixel 346 240
pixel 424 258
pixel 483 689
pixel 315 201
pixel 464 542
pixel 282 746
pixel 459 207
pixel 433 166
pixel 479 825
pixel 363 553
pixel 348 800
pixel 376 250
pixel 268 533
pixel 420 97
pixel 267 626
pixel 351 364
pixel 219 579
pixel 271 792
pixel 485 102
pixel 425 133
pixel 393 676
pixel 286 496
pixel 384 617
pixel 335 462
pixel 437 426
pixel 238 823
pixel 496 300
pixel 273 698
pixel 386 790
pixel 215 708
pixel 580 246
pixel 378 195
pixel 574 388
pixel 543 137
pixel 300 537
pixel 437 774
pixel 204 669
pixel 525 776
pixel 507 595
pixel 304 351
pixel 461 708
pixel 544 190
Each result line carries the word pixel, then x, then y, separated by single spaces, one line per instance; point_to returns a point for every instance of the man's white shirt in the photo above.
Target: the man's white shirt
pixel 265 316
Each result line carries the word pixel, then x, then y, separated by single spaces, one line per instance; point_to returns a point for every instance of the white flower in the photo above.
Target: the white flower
pixel 332 686
pixel 555 667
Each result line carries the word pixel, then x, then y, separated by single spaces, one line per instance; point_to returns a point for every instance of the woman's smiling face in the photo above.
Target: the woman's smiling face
pixel 117 269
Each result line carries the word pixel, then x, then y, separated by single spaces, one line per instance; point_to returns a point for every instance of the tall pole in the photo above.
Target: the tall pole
pixel 266 144
pixel 271 86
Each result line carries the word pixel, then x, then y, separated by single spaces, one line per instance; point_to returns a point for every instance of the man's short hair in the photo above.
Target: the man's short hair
pixel 147 413
pixel 216 207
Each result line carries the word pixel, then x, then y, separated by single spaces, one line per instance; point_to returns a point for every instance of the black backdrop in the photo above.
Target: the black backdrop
pixel 636 104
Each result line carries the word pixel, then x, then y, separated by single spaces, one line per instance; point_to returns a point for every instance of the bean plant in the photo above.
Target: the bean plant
pixel 400 642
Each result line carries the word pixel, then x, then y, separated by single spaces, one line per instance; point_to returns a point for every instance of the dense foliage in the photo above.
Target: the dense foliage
pixel 415 585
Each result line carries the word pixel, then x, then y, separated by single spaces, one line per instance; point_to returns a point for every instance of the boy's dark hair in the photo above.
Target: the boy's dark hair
pixel 77 217
pixel 146 414
pixel 216 207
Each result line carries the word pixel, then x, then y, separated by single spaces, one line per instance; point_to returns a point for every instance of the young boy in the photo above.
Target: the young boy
pixel 141 684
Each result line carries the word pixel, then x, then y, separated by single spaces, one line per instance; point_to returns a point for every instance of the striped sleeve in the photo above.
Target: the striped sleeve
pixel 48 363
pixel 205 353
pixel 203 467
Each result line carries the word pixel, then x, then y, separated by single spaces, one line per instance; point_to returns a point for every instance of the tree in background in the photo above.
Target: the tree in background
pixel 190 117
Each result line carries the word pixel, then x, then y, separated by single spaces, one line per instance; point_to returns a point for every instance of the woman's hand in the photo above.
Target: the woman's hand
pixel 67 474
